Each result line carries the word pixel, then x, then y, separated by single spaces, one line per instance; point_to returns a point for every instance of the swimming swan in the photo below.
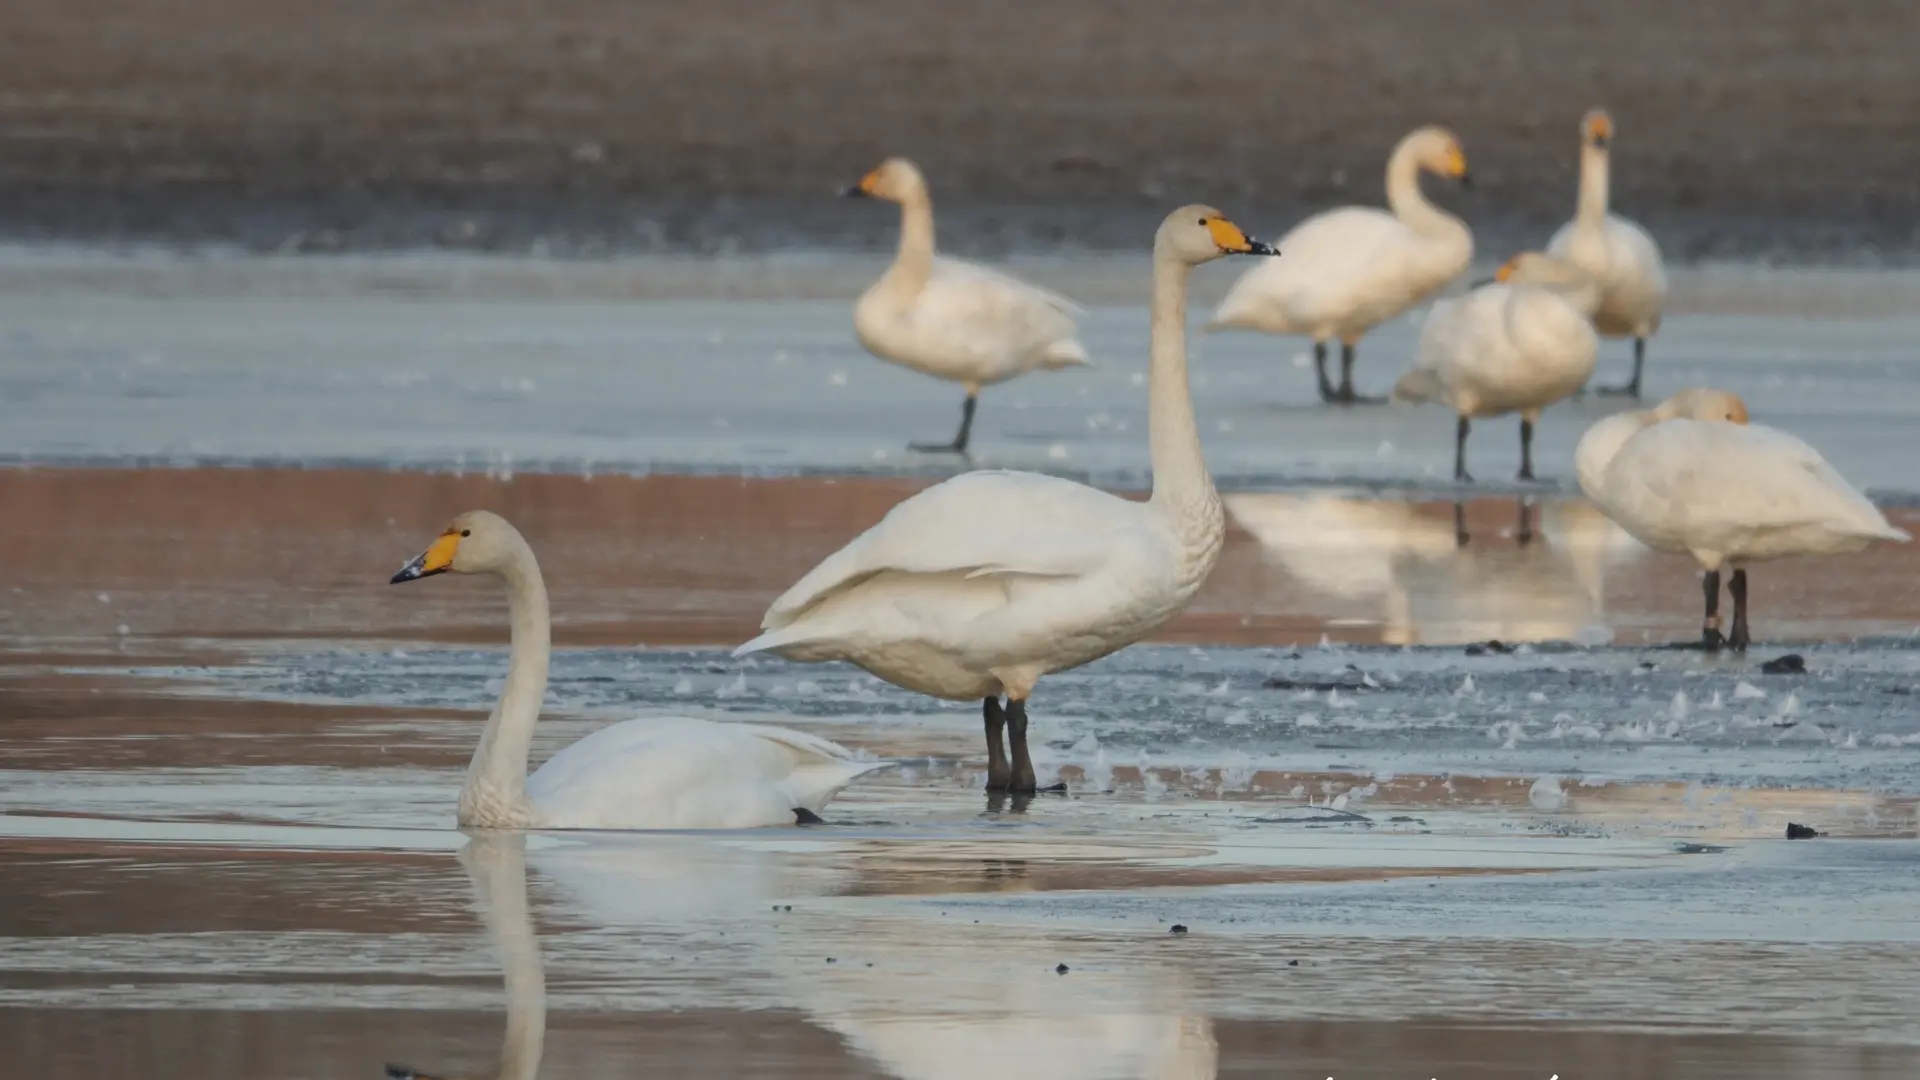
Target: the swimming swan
pixel 1633 281
pixel 981 585
pixel 1693 476
pixel 1350 269
pixel 671 773
pixel 951 319
pixel 1518 344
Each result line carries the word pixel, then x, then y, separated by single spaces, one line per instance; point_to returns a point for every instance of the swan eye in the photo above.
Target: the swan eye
pixel 1203 221
pixel 466 532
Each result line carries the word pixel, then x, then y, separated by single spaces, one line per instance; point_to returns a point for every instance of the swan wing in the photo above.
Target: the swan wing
pixel 683 773
pixel 1323 262
pixel 962 274
pixel 1714 480
pixel 993 521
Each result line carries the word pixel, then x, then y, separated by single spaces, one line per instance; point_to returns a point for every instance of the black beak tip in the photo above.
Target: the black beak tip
pixel 1600 142
pixel 1466 181
pixel 1255 247
pixel 407 573
pixel 1482 283
pixel 854 192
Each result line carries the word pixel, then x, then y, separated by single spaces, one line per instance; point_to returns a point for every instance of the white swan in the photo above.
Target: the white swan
pixel 1693 476
pixel 672 773
pixel 950 319
pixel 981 585
pixel 1350 269
pixel 1633 281
pixel 1516 345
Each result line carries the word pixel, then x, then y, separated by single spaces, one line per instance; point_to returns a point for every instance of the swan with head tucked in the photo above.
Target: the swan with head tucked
pixel 1692 476
pixel 1617 252
pixel 951 319
pixel 981 585
pixel 670 773
pixel 1518 344
pixel 1350 269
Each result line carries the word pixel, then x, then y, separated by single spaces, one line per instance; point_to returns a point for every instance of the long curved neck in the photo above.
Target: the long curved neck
pixel 1408 202
pixel 1593 185
pixel 1181 483
pixel 495 794
pixel 1597 448
pixel 913 264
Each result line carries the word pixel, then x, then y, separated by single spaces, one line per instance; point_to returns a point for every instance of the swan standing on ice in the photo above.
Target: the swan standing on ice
pixel 979 586
pixel 1350 269
pixel 1692 476
pixel 672 773
pixel 1516 345
pixel 951 319
pixel 1633 281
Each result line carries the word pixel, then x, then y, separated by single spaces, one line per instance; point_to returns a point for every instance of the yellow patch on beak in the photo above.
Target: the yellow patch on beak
pixel 1228 236
pixel 1456 162
pixel 869 182
pixel 1600 127
pixel 1506 269
pixel 440 553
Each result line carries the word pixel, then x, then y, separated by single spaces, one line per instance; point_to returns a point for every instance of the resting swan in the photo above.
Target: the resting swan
pixel 1633 281
pixel 1692 476
pixel 979 586
pixel 951 319
pixel 1516 345
pixel 1350 269
pixel 672 773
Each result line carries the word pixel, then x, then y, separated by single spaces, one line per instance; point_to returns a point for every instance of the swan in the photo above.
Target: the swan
pixel 980 585
pixel 1633 281
pixel 1693 476
pixel 1516 345
pixel 1350 269
pixel 671 773
pixel 955 320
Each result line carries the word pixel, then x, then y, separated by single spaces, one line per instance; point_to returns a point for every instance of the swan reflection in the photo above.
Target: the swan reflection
pixel 1424 577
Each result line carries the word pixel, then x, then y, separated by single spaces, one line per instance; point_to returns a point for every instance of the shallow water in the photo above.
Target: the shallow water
pixel 229 751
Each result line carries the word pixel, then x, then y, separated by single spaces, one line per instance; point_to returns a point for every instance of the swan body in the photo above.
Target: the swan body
pixel 1693 477
pixel 1348 270
pixel 955 320
pixel 1518 344
pixel 981 585
pixel 1620 255
pixel 670 773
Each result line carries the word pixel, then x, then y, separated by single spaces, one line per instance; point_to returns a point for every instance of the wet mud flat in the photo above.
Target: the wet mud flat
pixel 589 126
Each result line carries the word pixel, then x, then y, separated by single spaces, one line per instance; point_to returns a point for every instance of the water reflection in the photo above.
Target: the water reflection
pixel 919 1001
pixel 1438 574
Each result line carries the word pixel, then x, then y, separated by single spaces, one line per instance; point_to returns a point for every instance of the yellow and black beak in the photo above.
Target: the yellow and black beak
pixel 863 189
pixel 437 559
pixel 1232 241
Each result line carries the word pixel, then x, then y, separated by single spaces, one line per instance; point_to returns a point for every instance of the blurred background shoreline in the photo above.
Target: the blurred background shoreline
pixel 1776 131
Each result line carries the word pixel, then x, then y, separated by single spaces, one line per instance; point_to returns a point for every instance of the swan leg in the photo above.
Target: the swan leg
pixel 999 775
pixel 1023 781
pixel 1347 396
pixel 1320 368
pixel 1632 388
pixel 1460 431
pixel 959 443
pixel 1739 639
pixel 1526 449
pixel 1710 638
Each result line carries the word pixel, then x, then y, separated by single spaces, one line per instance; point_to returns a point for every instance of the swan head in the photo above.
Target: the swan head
pixel 1197 234
pixel 895 180
pixel 1596 129
pixel 476 542
pixel 1703 404
pixel 1438 151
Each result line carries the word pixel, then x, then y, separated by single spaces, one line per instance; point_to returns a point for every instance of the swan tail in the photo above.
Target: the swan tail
pixel 1417 386
pixel 1065 354
pixel 777 639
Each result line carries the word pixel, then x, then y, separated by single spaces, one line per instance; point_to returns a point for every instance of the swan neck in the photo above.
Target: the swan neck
pixel 913 263
pixel 1407 201
pixel 1594 185
pixel 1601 444
pixel 495 794
pixel 1180 479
